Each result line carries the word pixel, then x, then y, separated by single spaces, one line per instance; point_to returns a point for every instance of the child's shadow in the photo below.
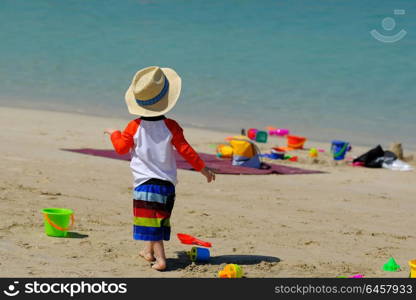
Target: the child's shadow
pixel 183 260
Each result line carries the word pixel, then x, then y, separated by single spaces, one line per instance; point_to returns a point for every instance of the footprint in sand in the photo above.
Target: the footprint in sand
pixel 47 193
pixel 311 243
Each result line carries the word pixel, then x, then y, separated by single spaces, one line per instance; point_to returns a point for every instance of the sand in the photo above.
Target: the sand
pixel 346 221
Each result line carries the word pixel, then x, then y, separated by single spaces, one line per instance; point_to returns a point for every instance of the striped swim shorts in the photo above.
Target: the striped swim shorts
pixel 152 205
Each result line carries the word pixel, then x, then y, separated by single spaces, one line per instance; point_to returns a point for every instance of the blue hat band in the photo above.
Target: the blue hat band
pixel 156 99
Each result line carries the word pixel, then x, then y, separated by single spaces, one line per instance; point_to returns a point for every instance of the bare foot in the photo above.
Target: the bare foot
pixel 147 256
pixel 159 265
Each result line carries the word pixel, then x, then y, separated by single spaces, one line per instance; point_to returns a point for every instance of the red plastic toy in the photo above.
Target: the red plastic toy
pixel 293 158
pixel 190 240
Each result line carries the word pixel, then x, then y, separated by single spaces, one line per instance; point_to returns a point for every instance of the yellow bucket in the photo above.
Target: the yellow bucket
pixel 412 264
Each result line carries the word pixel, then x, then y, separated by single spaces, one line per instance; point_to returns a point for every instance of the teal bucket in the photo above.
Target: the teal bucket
pixel 339 149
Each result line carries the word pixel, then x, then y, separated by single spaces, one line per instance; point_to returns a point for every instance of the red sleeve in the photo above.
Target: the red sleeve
pixel 123 141
pixel 183 147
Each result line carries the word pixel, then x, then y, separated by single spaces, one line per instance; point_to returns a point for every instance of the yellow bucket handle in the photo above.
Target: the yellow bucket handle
pixel 56 226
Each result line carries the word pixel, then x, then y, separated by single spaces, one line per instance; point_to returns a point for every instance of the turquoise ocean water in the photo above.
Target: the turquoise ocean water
pixel 310 66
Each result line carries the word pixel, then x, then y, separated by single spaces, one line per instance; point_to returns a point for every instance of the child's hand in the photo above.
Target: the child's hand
pixel 208 173
pixel 109 131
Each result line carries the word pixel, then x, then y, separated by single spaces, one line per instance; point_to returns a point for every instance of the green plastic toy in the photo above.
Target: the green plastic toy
pixel 391 266
pixel 57 220
pixel 261 137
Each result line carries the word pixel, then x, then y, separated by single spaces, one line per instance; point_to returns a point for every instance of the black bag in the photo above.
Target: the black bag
pixel 376 157
pixel 372 158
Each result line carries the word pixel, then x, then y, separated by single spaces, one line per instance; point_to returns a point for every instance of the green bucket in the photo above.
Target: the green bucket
pixel 57 221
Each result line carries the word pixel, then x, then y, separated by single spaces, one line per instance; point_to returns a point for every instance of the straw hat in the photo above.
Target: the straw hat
pixel 153 91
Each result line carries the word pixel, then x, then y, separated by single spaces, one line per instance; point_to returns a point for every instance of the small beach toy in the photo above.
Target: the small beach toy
pixel 277 154
pixel 295 142
pixel 277 131
pixel 287 156
pixel 412 264
pixel 353 276
pixel 293 158
pixel 251 133
pixel 357 276
pixel 321 150
pixel 273 155
pixel 231 271
pixel 271 130
pixel 269 155
pixel 261 137
pixel 358 164
pixel 339 149
pixel 282 132
pixel 279 149
pixel 57 220
pixel 391 266
pixel 199 254
pixel 224 151
pixel 313 152
pixel 191 240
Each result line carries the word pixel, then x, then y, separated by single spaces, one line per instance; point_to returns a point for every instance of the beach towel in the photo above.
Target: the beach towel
pixel 221 166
